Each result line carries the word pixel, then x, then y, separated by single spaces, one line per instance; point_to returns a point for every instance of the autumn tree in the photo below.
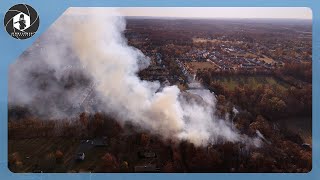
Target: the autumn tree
pixel 168 167
pixel 15 161
pixel 144 139
pixel 59 156
pixel 110 162
pixel 84 119
pixel 124 167
pixel 262 125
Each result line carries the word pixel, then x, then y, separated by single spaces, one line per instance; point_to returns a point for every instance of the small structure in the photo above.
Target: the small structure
pixel 100 142
pixel 80 156
pixel 147 154
pixel 306 146
pixel 146 168
pixel 37 171
pixel 86 142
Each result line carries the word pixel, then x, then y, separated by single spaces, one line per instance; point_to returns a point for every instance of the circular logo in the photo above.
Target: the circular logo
pixel 21 21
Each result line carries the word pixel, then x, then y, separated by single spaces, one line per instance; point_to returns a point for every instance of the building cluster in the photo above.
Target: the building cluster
pixel 230 59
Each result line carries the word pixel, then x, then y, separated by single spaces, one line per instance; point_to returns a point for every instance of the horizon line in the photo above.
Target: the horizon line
pixel 191 17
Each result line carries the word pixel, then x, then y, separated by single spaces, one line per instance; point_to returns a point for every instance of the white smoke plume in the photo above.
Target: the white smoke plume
pixel 98 45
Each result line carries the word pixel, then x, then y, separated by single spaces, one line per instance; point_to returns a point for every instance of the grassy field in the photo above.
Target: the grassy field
pixel 231 82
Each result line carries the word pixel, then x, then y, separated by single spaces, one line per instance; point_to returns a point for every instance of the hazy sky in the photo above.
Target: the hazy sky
pixel 210 12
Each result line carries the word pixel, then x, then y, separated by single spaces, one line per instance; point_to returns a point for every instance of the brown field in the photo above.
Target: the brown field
pixel 267 60
pixel 247 55
pixel 38 154
pixel 32 153
pixel 194 66
pixel 300 125
pixel 202 40
pixel 251 55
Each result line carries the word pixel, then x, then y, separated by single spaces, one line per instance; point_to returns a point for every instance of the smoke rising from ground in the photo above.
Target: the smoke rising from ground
pixel 95 44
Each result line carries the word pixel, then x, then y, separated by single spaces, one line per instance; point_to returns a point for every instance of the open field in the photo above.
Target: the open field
pixel 38 154
pixel 301 125
pixel 194 66
pixel 231 82
pixel 246 55
pixel 32 153
pixel 267 60
pixel 202 40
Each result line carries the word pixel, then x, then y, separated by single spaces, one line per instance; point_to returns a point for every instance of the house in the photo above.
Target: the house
pixel 247 65
pixel 147 154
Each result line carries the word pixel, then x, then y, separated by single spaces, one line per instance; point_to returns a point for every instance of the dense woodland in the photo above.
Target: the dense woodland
pixel 270 101
pixel 284 154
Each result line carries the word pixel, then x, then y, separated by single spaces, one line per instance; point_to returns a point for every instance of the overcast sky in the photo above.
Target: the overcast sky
pixel 208 12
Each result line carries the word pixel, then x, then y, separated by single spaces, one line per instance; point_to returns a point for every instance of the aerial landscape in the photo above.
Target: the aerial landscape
pixel 117 93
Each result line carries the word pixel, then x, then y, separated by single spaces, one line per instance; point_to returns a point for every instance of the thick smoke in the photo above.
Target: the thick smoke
pixel 94 43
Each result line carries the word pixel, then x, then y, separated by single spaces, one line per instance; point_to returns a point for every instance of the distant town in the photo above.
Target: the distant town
pixel 221 45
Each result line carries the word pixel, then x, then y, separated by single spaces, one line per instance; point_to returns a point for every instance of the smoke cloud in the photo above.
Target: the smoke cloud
pixel 93 49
